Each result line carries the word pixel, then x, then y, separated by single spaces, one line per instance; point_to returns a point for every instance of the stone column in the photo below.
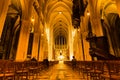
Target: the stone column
pixel 70 42
pixel 95 17
pixel 50 45
pixel 4 5
pixel 22 48
pixel 21 54
pixel 35 26
pixel 84 45
pixel 41 54
pixel 35 46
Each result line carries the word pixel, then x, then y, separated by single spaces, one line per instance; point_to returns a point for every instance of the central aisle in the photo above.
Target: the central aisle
pixel 60 71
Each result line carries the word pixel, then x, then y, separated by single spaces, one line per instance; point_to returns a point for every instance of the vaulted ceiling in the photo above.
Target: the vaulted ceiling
pixel 58 16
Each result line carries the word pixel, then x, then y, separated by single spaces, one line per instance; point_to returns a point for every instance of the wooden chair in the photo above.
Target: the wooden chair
pixel 6 70
pixel 21 71
pixel 33 69
pixel 97 70
pixel 9 71
pixel 112 71
pixel 2 67
pixel 85 67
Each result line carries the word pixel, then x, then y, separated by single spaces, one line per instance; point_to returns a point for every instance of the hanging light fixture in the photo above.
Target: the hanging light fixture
pixel 60 12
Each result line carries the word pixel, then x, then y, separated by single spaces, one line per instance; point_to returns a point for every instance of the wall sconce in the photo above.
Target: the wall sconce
pixel 32 20
pixel 32 25
pixel 88 13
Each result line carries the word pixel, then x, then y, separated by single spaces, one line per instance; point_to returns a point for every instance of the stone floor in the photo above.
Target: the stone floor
pixel 60 72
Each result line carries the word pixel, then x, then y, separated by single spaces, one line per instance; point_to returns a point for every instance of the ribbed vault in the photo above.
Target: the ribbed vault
pixel 58 16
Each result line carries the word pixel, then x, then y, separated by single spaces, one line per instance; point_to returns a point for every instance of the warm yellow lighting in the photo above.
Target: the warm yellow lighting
pixel 60 51
pixel 60 12
pixel 42 34
pixel 32 19
pixel 32 29
pixel 88 13
pixel 61 57
pixel 47 33
pixel 102 17
pixel 73 33
pixel 71 57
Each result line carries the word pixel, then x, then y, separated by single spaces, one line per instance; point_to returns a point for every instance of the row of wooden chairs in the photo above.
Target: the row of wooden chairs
pixel 99 70
pixel 111 70
pixel 10 70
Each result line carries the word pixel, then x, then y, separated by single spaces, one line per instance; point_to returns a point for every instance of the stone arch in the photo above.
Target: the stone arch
pixel 109 20
pixel 53 10
pixel 16 15
pixel 50 9
pixel 26 6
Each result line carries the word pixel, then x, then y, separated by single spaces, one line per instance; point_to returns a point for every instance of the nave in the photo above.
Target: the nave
pixel 31 70
pixel 60 71
pixel 84 70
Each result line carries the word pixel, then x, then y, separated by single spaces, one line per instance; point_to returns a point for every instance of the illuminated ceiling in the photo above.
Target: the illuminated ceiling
pixel 57 13
pixel 58 16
